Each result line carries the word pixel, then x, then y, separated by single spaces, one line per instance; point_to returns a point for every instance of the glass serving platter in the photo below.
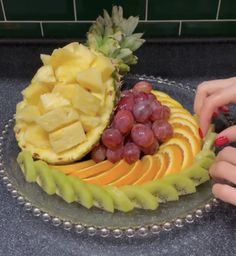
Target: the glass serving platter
pixel 75 217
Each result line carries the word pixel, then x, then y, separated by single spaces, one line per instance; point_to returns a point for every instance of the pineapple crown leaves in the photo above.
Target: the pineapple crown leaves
pixel 113 36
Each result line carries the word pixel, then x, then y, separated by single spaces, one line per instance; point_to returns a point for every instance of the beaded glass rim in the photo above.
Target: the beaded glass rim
pixel 141 231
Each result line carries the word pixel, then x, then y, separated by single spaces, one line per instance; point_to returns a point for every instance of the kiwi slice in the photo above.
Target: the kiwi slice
pixel 26 164
pixel 120 199
pixel 197 174
pixel 83 195
pixel 205 153
pixel 182 184
pixel 101 198
pixel 205 162
pixel 205 158
pixel 140 197
pixel 64 188
pixel 45 178
pixel 209 141
pixel 164 191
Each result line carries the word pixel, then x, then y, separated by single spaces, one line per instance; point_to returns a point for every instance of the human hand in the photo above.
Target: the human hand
pixel 211 96
pixel 224 169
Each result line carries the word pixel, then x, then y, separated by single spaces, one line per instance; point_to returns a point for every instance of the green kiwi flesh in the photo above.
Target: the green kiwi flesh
pixel 209 141
pixel 197 174
pixel 101 197
pixel 64 188
pixel 45 178
pixel 26 163
pixel 181 183
pixel 120 199
pixel 140 197
pixel 83 195
pixel 162 190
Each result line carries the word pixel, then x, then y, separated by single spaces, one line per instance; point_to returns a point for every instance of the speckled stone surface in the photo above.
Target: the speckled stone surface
pixel 23 234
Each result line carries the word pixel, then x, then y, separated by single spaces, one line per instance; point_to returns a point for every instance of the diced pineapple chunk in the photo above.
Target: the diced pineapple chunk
pixel 36 136
pixel 27 113
pixel 61 56
pixel 72 46
pixel 85 101
pixel 45 74
pixel 68 72
pixel 33 91
pixel 57 118
pixel 67 137
pixel 91 79
pixel 65 90
pixel 45 58
pixel 84 53
pixel 51 101
pixel 104 65
pixel 89 122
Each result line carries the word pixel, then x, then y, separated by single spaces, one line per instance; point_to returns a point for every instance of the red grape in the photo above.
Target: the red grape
pixel 124 121
pixel 140 96
pixel 162 130
pixel 142 135
pixel 148 124
pixel 143 86
pixel 165 112
pixel 112 138
pixel 151 149
pixel 142 111
pixel 131 152
pixel 156 108
pixel 126 102
pixel 151 97
pixel 115 155
pixel 98 153
pixel 159 112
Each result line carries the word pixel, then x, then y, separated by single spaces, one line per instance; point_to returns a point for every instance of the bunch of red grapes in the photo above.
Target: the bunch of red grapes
pixel 139 126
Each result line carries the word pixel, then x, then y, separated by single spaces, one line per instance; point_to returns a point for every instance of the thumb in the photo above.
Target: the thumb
pixel 226 136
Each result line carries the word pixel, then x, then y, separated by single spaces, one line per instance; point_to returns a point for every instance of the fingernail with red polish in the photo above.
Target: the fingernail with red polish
pixel 224 109
pixel 215 115
pixel 200 133
pixel 221 141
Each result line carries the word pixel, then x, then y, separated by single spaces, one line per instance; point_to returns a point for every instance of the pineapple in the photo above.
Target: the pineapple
pixel 71 98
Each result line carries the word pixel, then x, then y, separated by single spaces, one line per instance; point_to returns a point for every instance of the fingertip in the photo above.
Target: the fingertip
pixel 216 188
pixel 225 193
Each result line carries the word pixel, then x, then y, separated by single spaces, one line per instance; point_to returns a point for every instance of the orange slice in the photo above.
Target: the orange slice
pixel 117 171
pixel 185 146
pixel 67 169
pixel 93 170
pixel 175 156
pixel 165 99
pixel 170 102
pixel 135 173
pixel 179 116
pixel 180 110
pixel 164 161
pixel 194 142
pixel 151 171
pixel 177 122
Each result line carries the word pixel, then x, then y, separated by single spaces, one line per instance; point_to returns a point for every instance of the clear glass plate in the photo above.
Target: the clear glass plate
pixel 75 214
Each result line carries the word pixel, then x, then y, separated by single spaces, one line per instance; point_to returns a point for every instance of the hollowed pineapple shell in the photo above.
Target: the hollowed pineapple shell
pixel 39 143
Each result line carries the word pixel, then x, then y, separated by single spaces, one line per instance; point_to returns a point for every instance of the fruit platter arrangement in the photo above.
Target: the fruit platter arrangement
pixel 89 141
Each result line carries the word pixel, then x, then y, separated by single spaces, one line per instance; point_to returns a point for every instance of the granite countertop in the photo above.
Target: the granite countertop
pixel 186 61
